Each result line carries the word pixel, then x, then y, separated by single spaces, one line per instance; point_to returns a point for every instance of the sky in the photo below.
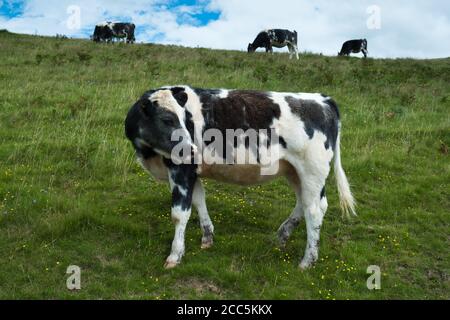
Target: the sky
pixel 393 28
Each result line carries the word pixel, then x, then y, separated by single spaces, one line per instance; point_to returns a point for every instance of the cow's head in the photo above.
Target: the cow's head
pixel 163 118
pixel 364 41
pixel 250 48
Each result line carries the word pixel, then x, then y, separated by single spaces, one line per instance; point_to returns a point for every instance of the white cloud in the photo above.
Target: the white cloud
pixel 418 28
pixel 408 28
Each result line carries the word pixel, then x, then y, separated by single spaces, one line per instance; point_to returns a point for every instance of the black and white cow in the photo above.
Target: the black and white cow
pixel 102 33
pixel 307 127
pixel 278 38
pixel 124 31
pixel 354 46
pixel 107 31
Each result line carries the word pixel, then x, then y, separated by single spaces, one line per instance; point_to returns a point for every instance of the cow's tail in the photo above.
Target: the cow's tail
pixel 346 199
pixel 296 37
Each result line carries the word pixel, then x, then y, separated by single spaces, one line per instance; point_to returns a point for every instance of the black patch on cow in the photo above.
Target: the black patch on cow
pixel 132 128
pixel 184 176
pixel 316 117
pixel 177 197
pixel 283 142
pixel 333 106
pixel 180 95
pixel 124 30
pixel 189 124
pixel 262 40
pixel 322 193
pixel 207 233
pixel 239 110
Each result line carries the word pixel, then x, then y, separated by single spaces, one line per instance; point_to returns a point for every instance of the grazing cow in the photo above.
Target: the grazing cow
pixel 276 38
pixel 107 31
pixel 102 33
pixel 354 46
pixel 307 128
pixel 123 31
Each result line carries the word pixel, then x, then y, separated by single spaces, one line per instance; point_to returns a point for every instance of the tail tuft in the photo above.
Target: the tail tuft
pixel 346 199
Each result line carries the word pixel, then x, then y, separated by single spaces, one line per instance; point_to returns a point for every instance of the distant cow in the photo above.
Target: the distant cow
pixel 107 31
pixel 354 46
pixel 276 38
pixel 102 33
pixel 308 129
pixel 122 30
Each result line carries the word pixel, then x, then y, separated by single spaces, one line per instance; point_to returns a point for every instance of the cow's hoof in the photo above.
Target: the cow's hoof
pixel 170 265
pixel 206 244
pixel 305 265
pixel 282 243
pixel 282 238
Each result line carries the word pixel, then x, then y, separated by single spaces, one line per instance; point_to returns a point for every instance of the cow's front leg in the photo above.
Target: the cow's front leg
pixel 365 53
pixel 296 52
pixel 199 202
pixel 182 181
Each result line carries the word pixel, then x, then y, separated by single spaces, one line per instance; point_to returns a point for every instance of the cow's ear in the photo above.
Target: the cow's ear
pixel 146 107
pixel 180 95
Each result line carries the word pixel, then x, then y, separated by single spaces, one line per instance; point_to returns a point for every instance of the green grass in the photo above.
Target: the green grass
pixel 71 192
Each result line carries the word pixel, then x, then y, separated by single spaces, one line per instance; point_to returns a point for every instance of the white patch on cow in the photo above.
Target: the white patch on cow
pixel 165 100
pixel 223 94
pixel 194 107
pixel 289 126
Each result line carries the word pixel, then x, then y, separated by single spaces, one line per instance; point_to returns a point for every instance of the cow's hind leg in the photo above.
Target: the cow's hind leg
pixel 313 171
pixel 199 202
pixel 288 226
pixel 314 206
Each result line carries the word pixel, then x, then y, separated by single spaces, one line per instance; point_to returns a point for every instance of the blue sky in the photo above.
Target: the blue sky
pixel 404 28
pixel 11 8
pixel 14 8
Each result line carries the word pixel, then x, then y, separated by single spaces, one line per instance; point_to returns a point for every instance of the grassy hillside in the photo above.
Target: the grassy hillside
pixel 71 192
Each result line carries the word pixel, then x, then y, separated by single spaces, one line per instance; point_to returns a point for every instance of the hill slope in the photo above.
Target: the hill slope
pixel 71 192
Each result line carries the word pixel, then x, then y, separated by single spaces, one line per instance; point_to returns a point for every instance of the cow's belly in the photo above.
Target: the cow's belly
pixel 279 45
pixel 244 174
pixel 236 174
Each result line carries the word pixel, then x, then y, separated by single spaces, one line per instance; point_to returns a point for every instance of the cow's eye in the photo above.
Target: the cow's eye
pixel 168 122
